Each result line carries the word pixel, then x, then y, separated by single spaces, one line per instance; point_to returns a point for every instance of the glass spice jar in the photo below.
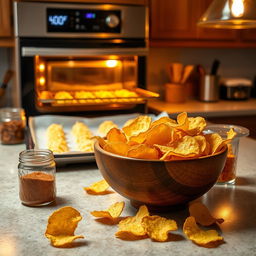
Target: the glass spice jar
pixel 36 172
pixel 12 125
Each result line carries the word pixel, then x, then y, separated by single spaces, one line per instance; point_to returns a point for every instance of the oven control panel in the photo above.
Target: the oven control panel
pixel 83 20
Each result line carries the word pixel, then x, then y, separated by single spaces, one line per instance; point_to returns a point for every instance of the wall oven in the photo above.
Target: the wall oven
pixel 81 58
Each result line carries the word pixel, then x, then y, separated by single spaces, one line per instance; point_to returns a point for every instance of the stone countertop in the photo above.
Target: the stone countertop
pixel 22 228
pixel 206 109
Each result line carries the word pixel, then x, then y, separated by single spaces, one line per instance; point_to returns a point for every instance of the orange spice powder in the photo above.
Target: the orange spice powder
pixel 37 188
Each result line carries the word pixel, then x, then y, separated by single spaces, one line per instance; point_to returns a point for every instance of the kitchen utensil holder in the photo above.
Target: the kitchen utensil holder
pixel 175 93
pixel 209 88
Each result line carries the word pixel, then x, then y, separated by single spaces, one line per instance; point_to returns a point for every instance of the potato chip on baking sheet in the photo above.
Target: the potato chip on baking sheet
pixel 62 224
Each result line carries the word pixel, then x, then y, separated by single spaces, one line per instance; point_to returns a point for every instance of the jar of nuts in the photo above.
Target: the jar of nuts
pixel 12 125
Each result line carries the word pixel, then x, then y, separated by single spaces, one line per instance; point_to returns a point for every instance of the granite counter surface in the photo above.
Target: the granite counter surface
pixel 22 228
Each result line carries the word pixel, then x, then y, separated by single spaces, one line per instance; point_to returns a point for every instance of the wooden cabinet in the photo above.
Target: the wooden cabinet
pixel 248 35
pixel 174 23
pixel 134 2
pixel 6 30
pixel 5 18
pixel 172 19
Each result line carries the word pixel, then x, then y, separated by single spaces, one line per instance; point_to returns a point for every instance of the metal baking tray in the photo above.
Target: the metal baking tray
pixel 39 124
pixel 143 95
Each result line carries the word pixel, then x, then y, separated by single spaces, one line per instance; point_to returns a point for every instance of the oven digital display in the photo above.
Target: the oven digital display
pixel 83 21
pixel 90 15
pixel 57 20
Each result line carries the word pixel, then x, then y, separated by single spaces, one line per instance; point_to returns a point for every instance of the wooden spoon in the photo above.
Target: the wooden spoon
pixel 187 71
pixel 177 70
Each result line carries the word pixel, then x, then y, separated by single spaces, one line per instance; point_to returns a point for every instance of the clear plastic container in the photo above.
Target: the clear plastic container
pixel 228 174
pixel 37 177
pixel 12 125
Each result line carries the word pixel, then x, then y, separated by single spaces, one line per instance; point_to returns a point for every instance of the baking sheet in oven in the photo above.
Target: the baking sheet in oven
pixel 39 124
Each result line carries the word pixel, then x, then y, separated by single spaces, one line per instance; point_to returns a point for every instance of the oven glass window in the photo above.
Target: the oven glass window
pixel 87 74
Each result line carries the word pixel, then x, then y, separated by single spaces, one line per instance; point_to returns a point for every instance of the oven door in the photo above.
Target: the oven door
pixel 62 77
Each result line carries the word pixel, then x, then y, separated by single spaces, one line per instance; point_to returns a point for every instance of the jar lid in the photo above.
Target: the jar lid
pixel 11 113
pixel 36 157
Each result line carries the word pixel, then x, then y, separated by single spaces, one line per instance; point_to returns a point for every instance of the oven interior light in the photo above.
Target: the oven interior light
pixel 71 63
pixel 42 80
pixel 111 63
pixel 41 67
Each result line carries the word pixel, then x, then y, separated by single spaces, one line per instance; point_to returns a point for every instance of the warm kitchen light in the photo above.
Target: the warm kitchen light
pixel 41 67
pixel 41 80
pixel 237 8
pixel 7 246
pixel 230 14
pixel 111 63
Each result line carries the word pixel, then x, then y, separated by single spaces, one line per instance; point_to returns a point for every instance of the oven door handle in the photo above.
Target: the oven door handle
pixel 82 52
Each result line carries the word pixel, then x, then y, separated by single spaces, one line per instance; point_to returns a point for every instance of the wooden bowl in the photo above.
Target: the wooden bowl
pixel 158 183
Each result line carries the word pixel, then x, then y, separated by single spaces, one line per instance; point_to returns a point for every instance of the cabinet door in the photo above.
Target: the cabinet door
pixel 248 35
pixel 173 19
pixel 5 18
pixel 213 33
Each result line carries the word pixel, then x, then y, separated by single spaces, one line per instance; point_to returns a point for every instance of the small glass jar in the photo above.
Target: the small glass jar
pixel 36 172
pixel 228 174
pixel 12 125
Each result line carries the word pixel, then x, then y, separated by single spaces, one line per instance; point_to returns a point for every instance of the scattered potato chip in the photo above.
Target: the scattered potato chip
pixel 116 135
pixel 143 151
pixel 202 215
pixel 197 235
pixel 97 188
pixel 62 224
pixel 132 226
pixel 158 228
pixel 113 212
pixel 140 124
